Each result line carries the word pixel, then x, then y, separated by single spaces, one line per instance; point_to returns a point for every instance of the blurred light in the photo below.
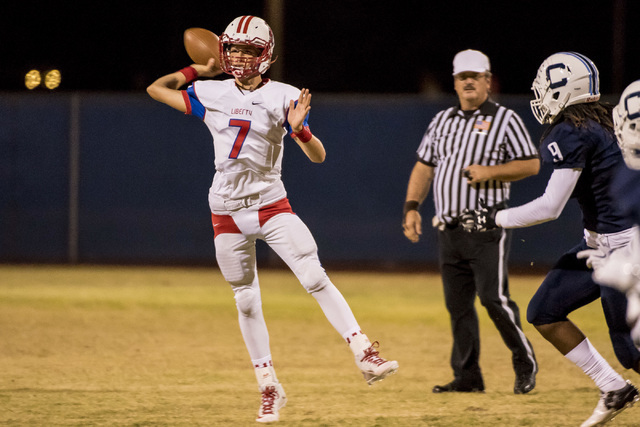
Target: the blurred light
pixel 52 79
pixel 32 79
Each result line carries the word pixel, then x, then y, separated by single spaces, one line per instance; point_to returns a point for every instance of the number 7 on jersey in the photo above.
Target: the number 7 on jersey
pixel 244 126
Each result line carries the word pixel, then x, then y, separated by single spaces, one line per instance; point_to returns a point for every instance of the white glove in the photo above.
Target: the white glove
pixel 619 270
pixel 595 257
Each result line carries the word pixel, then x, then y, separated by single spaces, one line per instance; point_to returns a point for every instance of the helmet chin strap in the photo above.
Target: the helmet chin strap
pixel 563 104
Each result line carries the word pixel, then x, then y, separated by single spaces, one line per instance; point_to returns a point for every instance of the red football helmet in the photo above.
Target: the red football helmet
pixel 250 31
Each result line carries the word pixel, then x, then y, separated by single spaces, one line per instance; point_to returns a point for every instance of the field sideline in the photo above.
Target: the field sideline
pixel 152 346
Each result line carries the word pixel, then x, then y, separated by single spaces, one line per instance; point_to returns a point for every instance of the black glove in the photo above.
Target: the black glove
pixel 482 219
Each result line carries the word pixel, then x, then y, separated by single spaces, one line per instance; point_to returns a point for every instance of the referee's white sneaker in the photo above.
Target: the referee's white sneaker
pixel 273 398
pixel 611 404
pixel 374 368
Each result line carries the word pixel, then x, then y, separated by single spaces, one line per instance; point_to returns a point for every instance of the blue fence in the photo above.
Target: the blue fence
pixel 120 178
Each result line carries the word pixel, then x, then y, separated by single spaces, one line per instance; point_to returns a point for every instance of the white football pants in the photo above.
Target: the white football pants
pixel 290 238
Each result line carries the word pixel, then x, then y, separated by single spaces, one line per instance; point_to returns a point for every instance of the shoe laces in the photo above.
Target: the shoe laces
pixel 371 355
pixel 269 396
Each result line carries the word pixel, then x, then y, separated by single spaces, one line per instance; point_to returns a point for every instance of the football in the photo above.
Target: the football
pixel 201 44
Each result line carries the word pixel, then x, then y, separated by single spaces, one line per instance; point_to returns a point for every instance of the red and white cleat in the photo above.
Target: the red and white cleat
pixel 374 368
pixel 273 398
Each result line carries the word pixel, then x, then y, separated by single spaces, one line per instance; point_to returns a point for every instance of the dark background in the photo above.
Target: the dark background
pixel 328 45
pixel 98 172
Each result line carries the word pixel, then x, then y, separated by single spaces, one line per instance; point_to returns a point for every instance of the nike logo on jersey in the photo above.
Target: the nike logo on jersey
pixel 241 111
pixel 255 103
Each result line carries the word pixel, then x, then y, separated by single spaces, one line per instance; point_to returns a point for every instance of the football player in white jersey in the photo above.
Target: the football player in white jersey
pixel 248 116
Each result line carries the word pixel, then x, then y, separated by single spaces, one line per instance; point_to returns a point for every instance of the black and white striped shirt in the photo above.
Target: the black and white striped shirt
pixel 491 135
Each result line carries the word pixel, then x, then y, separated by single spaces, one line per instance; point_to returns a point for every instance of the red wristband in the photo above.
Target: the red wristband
pixel 304 135
pixel 190 73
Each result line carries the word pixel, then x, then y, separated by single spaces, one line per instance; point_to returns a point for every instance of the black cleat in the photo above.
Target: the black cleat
pixel 459 386
pixel 524 383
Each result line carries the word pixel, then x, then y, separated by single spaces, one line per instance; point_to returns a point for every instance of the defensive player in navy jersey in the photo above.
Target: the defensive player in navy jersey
pixel 581 146
pixel 620 269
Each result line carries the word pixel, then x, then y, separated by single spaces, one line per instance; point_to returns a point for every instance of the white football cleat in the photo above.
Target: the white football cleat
pixel 375 368
pixel 611 404
pixel 273 398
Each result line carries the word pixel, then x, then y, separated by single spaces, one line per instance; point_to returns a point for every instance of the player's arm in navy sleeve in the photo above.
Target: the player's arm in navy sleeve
pixel 166 88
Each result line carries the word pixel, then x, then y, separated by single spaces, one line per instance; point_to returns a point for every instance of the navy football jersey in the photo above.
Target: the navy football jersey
pixel 593 149
pixel 626 192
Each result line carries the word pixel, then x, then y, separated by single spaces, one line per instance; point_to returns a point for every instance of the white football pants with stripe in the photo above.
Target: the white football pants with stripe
pixel 290 238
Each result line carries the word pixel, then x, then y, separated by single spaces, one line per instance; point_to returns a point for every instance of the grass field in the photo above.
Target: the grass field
pixel 132 346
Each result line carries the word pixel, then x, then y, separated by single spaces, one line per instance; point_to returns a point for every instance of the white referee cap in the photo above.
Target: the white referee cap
pixel 470 60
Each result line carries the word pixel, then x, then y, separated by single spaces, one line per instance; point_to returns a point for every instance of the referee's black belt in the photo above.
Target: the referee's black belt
pixel 452 225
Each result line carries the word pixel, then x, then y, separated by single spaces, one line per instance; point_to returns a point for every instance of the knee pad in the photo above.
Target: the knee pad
pixel 313 277
pixel 247 300
pixel 237 267
pixel 237 276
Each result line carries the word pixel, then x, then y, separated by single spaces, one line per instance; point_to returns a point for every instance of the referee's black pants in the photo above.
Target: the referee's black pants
pixel 476 264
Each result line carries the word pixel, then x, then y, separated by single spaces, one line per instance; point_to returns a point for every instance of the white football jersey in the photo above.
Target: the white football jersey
pixel 248 130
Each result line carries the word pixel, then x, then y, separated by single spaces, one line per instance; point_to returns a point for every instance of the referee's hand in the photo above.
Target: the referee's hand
pixel 476 174
pixel 412 226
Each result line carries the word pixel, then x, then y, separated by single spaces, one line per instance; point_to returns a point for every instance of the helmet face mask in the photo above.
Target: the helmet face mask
pixel 563 79
pixel 626 124
pixel 248 31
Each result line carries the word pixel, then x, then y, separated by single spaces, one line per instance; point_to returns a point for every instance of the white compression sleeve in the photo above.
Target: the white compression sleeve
pixel 545 208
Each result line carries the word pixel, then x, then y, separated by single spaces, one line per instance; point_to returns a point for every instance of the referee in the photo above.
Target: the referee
pixel 471 152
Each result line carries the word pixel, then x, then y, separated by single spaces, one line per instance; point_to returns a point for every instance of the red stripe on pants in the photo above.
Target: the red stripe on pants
pixel 226 224
pixel 267 212
pixel 223 224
